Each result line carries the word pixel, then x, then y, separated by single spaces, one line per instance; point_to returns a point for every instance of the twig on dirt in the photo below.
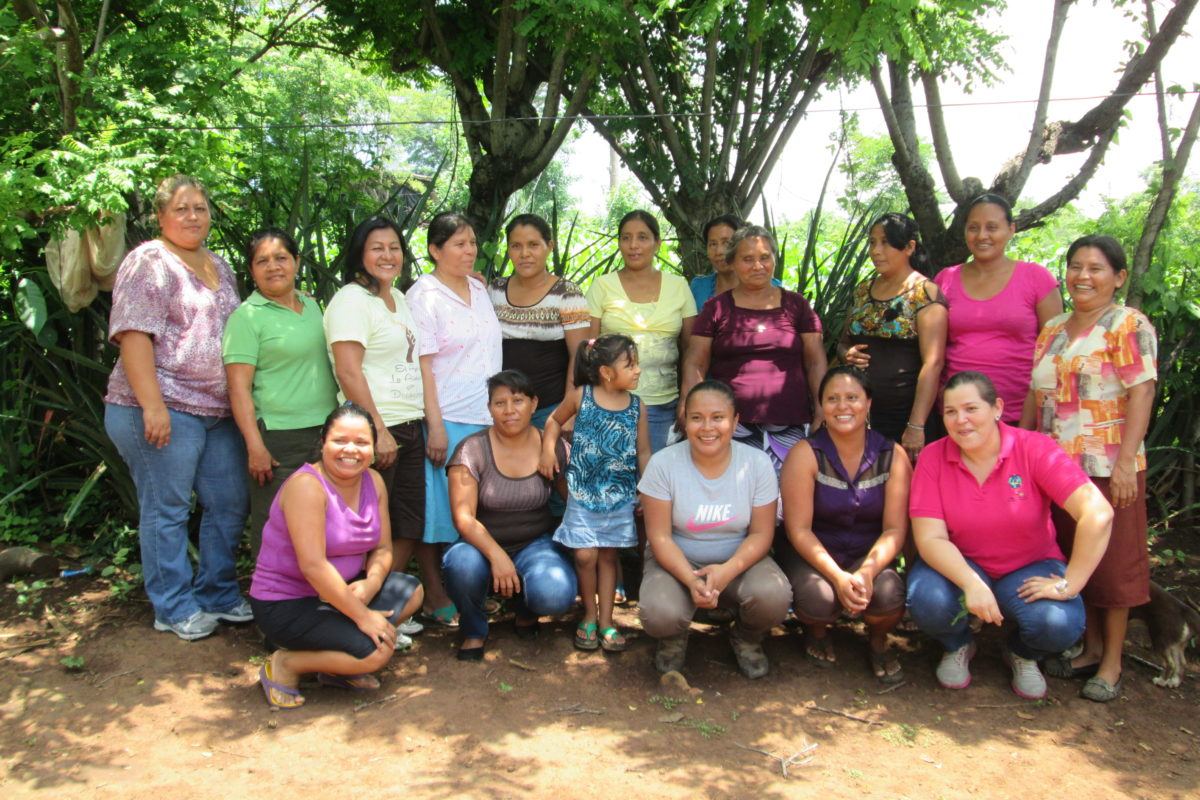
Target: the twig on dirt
pixel 1000 705
pixel 231 753
pixel 577 708
pixel 13 650
pixel 108 678
pixel 368 703
pixel 1147 662
pixel 893 687
pixel 836 713
pixel 522 665
pixel 800 758
pixel 55 622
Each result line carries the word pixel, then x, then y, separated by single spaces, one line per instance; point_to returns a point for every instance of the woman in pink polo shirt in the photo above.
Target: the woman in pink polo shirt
pixel 980 508
pixel 997 305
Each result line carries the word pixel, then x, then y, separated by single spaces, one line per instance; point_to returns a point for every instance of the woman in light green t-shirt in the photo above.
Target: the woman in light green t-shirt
pixel 655 309
pixel 280 385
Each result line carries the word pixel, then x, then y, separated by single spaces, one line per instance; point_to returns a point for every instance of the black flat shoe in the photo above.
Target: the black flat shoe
pixel 529 632
pixel 470 653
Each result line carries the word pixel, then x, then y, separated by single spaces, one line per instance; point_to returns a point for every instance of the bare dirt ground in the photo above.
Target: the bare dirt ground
pixel 149 716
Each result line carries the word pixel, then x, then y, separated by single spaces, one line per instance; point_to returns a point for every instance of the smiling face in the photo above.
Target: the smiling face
pixel 273 269
pixel 511 411
pixel 347 450
pixel 457 256
pixel 719 237
pixel 988 231
pixel 383 256
pixel 638 244
pixel 185 220
pixel 623 375
pixel 1091 280
pixel 845 405
pixel 970 420
pixel 889 260
pixel 528 252
pixel 709 422
pixel 754 263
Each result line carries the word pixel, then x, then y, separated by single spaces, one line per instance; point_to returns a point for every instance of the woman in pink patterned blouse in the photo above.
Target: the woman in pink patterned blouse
pixel 1094 374
pixel 167 411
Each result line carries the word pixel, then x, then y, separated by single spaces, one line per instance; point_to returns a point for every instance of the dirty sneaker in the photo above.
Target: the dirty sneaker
pixel 197 626
pixel 671 653
pixel 1027 680
pixel 751 659
pixel 238 612
pixel 410 627
pixel 953 671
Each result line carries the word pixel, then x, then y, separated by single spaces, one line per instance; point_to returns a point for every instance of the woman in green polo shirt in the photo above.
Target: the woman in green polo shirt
pixel 281 386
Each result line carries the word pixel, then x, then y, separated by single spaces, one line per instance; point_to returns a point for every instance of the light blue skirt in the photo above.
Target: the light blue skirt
pixel 582 528
pixel 439 524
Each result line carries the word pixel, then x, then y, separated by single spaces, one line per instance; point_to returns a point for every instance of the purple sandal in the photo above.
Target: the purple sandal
pixel 264 680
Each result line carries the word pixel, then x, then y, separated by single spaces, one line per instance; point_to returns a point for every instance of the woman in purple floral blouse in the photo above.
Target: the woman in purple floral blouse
pixel 167 410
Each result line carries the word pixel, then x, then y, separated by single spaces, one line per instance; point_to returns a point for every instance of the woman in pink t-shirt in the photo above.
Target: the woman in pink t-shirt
pixel 997 305
pixel 980 508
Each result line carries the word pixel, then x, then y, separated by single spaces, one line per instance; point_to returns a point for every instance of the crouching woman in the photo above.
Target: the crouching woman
pixel 323 590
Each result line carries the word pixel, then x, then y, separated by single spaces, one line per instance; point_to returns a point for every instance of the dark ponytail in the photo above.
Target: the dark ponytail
pixel 603 352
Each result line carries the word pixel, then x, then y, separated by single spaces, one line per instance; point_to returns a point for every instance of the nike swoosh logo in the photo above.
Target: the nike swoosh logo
pixel 697 527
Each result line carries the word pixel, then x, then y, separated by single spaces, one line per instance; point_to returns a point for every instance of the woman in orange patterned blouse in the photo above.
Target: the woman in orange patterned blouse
pixel 1093 389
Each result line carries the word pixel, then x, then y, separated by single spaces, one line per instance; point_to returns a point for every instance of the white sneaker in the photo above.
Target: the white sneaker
pixel 197 626
pixel 410 627
pixel 954 670
pixel 238 612
pixel 403 642
pixel 1027 680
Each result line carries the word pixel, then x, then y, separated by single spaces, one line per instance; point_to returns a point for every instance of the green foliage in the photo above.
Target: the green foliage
pixel 72 663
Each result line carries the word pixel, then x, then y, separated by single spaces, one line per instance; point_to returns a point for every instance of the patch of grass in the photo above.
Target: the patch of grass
pixel 72 663
pixel 666 702
pixel 505 688
pixel 707 728
pixel 902 734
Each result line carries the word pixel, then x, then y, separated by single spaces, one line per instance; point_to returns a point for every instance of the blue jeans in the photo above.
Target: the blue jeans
pixel 1043 627
pixel 547 574
pixel 660 418
pixel 206 455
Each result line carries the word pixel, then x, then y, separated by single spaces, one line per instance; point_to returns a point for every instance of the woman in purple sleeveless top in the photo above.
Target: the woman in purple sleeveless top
pixel 845 508
pixel 323 590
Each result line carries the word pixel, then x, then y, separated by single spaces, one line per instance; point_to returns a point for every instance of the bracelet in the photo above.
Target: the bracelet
pixel 915 427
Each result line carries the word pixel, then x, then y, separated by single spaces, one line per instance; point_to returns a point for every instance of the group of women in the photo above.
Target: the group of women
pixel 793 486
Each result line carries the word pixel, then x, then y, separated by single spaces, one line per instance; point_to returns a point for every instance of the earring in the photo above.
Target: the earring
pixel 997 418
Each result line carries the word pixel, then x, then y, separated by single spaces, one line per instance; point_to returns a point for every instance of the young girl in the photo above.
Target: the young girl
pixel 610 447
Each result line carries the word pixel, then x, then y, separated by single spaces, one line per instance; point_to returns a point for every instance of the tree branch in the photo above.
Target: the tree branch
pixel 665 121
pixel 1160 96
pixel 941 139
pixel 708 122
pixel 1173 169
pixel 1071 190
pixel 727 136
pixel 504 53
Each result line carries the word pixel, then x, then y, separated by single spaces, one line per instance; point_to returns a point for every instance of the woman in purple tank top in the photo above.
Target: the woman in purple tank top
pixel 323 590
pixel 845 508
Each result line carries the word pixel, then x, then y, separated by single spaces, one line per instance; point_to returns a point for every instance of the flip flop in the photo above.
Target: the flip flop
pixel 612 640
pixel 269 685
pixel 585 633
pixel 879 666
pixel 443 617
pixel 350 682
pixel 826 658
